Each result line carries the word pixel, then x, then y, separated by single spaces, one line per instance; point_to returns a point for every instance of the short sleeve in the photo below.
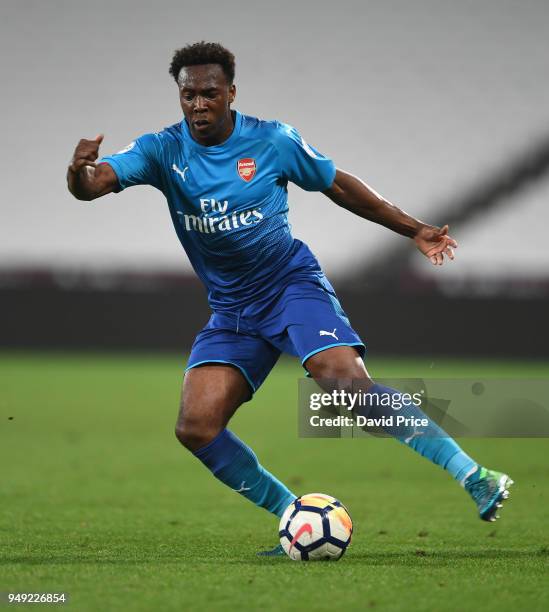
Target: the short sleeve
pixel 301 163
pixel 136 164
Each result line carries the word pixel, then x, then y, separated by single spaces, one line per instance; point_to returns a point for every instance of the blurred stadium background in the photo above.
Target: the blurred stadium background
pixel 443 107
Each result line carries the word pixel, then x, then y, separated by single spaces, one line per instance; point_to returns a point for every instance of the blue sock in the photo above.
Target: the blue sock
pixel 431 442
pixel 236 465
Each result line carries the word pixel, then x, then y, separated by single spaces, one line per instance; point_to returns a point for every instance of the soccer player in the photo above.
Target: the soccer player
pixel 225 178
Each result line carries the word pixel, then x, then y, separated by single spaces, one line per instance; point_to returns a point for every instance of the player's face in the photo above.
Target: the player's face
pixel 206 98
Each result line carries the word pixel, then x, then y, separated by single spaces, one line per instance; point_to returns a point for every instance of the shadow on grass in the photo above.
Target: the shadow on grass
pixel 404 558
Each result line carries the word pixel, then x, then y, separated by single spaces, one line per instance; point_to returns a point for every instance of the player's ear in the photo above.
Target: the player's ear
pixel 232 93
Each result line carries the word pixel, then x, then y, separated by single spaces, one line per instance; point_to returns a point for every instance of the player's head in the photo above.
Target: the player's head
pixel 204 73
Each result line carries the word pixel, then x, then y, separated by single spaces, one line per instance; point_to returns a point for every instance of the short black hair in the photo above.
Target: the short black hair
pixel 200 53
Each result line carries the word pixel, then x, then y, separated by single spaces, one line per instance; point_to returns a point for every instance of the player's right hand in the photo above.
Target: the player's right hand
pixel 85 154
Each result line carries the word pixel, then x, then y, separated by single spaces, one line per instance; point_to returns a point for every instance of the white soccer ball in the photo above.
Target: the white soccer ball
pixel 315 527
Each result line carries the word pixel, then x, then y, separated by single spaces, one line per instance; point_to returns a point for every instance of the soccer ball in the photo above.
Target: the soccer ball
pixel 315 527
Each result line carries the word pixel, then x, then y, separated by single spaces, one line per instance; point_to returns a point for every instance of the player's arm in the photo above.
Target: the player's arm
pixel 87 180
pixel 354 195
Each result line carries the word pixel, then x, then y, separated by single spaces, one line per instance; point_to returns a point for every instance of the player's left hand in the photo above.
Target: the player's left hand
pixel 435 243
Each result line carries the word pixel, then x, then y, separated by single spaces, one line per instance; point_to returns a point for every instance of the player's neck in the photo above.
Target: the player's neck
pixel 221 136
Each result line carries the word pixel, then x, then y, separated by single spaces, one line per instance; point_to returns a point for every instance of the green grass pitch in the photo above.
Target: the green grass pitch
pixel 98 500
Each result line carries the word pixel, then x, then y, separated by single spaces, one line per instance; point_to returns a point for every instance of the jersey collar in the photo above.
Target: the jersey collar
pixel 214 148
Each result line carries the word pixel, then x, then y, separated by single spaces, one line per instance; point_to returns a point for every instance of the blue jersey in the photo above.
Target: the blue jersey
pixel 229 202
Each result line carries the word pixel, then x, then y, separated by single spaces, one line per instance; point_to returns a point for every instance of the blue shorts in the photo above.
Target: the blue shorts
pixel 304 318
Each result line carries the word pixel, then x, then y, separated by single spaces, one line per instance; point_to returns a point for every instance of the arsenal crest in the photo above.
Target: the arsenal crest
pixel 246 168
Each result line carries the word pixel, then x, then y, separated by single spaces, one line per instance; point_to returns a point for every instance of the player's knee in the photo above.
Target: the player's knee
pixel 194 433
pixel 341 372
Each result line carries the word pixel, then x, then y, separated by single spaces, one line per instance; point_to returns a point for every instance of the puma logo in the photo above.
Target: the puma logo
pixel 242 487
pixel 323 332
pixel 179 171
pixel 414 435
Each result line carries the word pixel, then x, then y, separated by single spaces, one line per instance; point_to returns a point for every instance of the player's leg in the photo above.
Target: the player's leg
pixel 211 395
pixel 321 334
pixel 343 367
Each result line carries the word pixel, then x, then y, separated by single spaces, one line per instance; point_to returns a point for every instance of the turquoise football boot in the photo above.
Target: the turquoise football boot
pixel 277 551
pixel 488 489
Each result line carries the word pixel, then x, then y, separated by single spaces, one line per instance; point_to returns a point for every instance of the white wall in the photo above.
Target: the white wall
pixel 415 97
